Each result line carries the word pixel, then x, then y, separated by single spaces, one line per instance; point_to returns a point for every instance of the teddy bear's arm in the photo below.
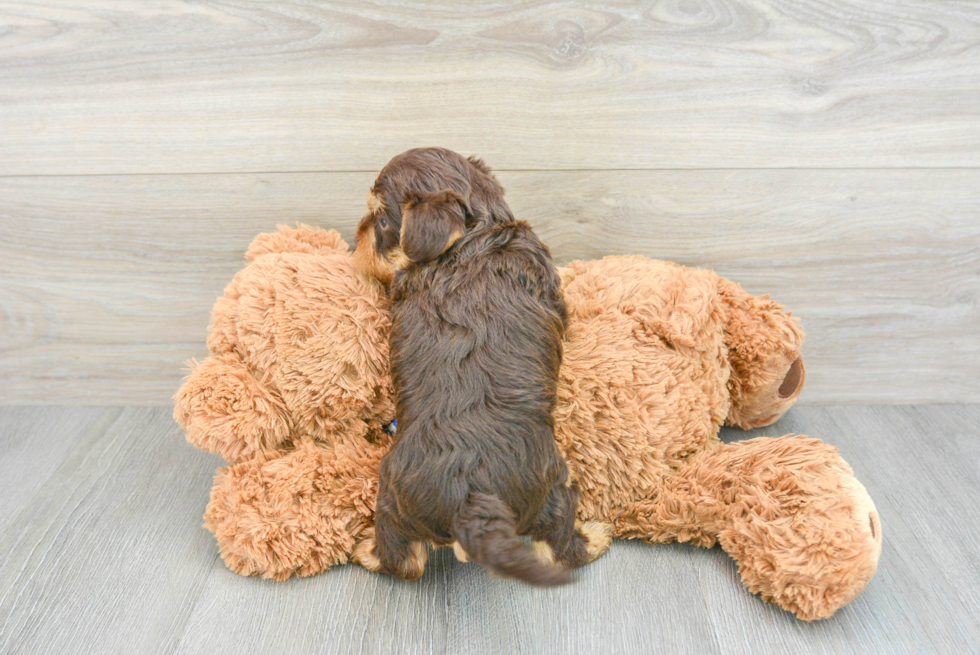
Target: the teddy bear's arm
pixel 225 410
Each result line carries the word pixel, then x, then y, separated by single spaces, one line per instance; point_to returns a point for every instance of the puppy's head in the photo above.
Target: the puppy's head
pixel 422 202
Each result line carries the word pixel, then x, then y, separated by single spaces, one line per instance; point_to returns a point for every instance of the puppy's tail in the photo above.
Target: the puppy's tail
pixel 486 529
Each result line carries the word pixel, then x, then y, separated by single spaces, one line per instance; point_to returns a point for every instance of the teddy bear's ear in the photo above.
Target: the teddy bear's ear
pixel 304 239
pixel 765 351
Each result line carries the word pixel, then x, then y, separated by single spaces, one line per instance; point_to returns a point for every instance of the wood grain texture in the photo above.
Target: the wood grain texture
pixel 33 443
pixel 345 610
pixel 109 556
pixel 106 282
pixel 120 86
pixel 635 599
pixel 941 515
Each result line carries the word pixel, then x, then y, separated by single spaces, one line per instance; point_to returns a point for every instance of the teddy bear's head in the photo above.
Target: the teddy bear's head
pixel 299 346
pixel 764 347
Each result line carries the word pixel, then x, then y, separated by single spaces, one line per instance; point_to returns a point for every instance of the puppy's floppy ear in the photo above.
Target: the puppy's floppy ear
pixel 431 224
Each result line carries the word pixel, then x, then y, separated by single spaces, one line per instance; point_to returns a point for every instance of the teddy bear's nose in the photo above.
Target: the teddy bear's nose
pixel 875 526
pixel 793 380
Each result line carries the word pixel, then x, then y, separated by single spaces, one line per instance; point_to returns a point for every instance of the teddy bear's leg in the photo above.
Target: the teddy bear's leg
pixel 804 530
pixel 801 527
pixel 293 511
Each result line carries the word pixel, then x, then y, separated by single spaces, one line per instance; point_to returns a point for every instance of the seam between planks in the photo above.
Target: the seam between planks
pixel 501 170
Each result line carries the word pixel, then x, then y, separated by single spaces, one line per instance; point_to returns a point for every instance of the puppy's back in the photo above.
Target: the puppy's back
pixel 479 330
pixel 476 348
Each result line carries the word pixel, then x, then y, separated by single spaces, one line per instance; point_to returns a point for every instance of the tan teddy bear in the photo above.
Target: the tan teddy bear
pixel 296 395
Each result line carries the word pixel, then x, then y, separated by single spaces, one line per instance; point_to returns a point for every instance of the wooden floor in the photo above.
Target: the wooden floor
pixel 102 551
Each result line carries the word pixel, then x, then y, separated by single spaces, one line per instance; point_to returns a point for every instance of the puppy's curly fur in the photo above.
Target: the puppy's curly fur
pixel 477 323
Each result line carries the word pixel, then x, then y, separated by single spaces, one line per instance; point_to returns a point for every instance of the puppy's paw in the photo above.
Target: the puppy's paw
pixel 413 566
pixel 598 536
pixel 459 552
pixel 364 555
pixel 544 551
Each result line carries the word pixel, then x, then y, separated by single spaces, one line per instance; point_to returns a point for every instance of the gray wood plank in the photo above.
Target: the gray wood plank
pixel 345 610
pixel 122 87
pixel 33 442
pixel 637 598
pixel 109 290
pixel 458 608
pixel 110 556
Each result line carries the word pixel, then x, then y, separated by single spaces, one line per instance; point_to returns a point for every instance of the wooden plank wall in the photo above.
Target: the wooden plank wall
pixel 826 152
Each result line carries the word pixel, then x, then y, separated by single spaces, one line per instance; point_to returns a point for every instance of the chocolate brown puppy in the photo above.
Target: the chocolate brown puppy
pixel 477 324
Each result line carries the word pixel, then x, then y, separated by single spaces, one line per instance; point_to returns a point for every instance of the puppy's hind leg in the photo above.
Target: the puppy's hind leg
pixel 562 539
pixel 392 551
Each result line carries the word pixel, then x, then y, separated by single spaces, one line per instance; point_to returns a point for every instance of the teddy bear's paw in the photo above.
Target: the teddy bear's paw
pixel 863 512
pixel 598 536
pixel 776 388
pixel 224 410
pixel 765 352
pixel 809 542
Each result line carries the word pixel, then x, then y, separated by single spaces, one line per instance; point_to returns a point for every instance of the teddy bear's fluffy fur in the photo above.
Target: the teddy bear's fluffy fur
pixel 296 394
